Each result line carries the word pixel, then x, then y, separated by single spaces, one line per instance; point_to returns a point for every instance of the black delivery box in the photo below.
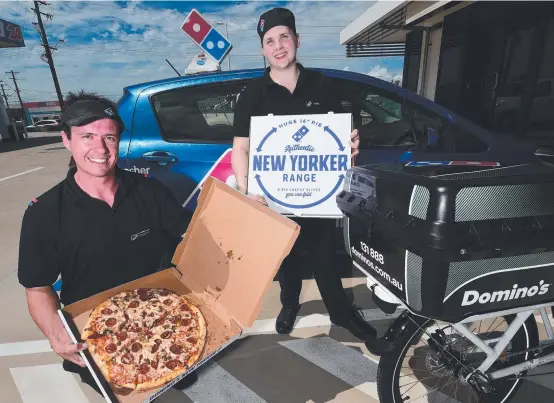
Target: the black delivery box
pixel 454 239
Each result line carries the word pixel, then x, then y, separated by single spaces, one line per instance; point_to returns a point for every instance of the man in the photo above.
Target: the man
pixel 82 228
pixel 289 89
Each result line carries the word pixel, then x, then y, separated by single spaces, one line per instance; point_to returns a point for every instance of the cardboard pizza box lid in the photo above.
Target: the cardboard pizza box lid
pixel 233 248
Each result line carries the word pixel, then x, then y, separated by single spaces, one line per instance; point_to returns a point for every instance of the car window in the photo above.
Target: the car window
pixel 378 116
pixel 435 133
pixel 198 113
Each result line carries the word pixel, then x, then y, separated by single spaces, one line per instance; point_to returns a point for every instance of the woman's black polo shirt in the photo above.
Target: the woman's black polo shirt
pixel 94 246
pixel 315 93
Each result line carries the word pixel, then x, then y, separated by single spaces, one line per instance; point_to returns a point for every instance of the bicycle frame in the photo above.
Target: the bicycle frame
pixel 502 342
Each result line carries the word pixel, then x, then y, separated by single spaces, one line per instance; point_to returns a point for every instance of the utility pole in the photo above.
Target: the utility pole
pixel 47 48
pixel 12 121
pixel 13 73
pixel 226 36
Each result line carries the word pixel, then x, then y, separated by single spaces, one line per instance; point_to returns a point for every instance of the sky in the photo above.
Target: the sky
pixel 103 46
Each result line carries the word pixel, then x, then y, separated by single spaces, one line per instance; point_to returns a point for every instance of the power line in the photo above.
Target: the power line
pixel 47 48
pixel 13 73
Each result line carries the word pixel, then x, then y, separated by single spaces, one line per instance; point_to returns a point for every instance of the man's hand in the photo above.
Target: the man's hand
pixel 43 304
pixel 354 144
pixel 63 346
pixel 260 199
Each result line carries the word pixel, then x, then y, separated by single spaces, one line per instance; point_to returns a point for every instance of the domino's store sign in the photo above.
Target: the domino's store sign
pixel 298 163
pixel 206 36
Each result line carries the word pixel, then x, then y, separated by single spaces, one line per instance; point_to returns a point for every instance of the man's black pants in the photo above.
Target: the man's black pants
pixel 85 374
pixel 317 235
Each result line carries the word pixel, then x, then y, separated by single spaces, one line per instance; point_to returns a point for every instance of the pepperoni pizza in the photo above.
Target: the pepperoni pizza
pixel 142 339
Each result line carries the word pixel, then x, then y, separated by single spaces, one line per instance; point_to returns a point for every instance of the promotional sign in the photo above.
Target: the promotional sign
pixel 298 163
pixel 206 36
pixel 10 35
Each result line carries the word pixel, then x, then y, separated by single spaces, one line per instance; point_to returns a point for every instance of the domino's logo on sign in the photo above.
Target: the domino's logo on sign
pixel 300 133
pixel 213 43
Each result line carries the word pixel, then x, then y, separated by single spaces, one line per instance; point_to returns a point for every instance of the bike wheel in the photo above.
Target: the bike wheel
pixel 420 369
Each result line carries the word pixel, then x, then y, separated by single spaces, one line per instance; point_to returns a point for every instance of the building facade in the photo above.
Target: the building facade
pixel 491 62
pixel 36 111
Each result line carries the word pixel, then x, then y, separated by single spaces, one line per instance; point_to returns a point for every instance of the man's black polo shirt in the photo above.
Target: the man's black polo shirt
pixel 94 246
pixel 315 93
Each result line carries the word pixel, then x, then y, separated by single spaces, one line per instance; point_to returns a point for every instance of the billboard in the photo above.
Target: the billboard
pixel 11 35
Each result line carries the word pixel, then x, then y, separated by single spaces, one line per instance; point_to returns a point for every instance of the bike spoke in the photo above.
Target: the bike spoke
pixel 433 390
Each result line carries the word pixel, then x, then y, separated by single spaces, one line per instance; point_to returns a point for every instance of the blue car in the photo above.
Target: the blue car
pixel 180 130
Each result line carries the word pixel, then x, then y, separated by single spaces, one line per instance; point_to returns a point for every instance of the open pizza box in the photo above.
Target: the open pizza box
pixel 225 264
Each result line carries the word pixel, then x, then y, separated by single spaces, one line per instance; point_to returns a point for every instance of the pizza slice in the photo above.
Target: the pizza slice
pixel 106 318
pixel 169 360
pixel 106 351
pixel 168 298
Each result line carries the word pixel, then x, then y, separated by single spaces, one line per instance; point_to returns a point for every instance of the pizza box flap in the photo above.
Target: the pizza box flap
pixel 233 248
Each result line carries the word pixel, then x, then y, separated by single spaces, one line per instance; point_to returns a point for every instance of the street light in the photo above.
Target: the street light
pixel 227 36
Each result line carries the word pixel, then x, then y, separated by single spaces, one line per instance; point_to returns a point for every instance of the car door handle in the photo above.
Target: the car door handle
pixel 162 157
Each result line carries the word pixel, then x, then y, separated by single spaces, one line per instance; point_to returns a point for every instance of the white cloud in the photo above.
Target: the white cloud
pixel 108 47
pixel 383 73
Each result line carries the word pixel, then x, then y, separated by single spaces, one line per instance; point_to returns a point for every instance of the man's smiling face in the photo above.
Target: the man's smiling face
pixel 95 147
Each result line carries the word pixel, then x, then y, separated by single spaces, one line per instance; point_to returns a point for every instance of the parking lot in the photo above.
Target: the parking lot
pixel 316 363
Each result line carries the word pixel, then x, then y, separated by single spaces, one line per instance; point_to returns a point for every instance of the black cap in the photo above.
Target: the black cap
pixel 275 17
pixel 87 111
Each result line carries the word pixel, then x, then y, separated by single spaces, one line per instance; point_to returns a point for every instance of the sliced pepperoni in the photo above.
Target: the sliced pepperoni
pixel 111 348
pixel 185 307
pixel 166 334
pixel 144 368
pixel 136 347
pixel 141 291
pixel 134 304
pixel 186 322
pixel 144 297
pixel 155 348
pixel 127 358
pixel 158 322
pixel 121 336
pixel 106 311
pixel 111 322
pixel 171 364
pixel 175 349
pixel 192 340
pixel 154 364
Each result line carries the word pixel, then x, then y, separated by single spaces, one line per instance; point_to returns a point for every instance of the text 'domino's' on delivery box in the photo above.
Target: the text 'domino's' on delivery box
pixel 225 264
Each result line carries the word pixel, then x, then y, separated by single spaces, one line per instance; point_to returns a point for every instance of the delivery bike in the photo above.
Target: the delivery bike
pixel 484 358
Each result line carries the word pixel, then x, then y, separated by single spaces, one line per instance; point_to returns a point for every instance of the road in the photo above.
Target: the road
pixel 316 363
